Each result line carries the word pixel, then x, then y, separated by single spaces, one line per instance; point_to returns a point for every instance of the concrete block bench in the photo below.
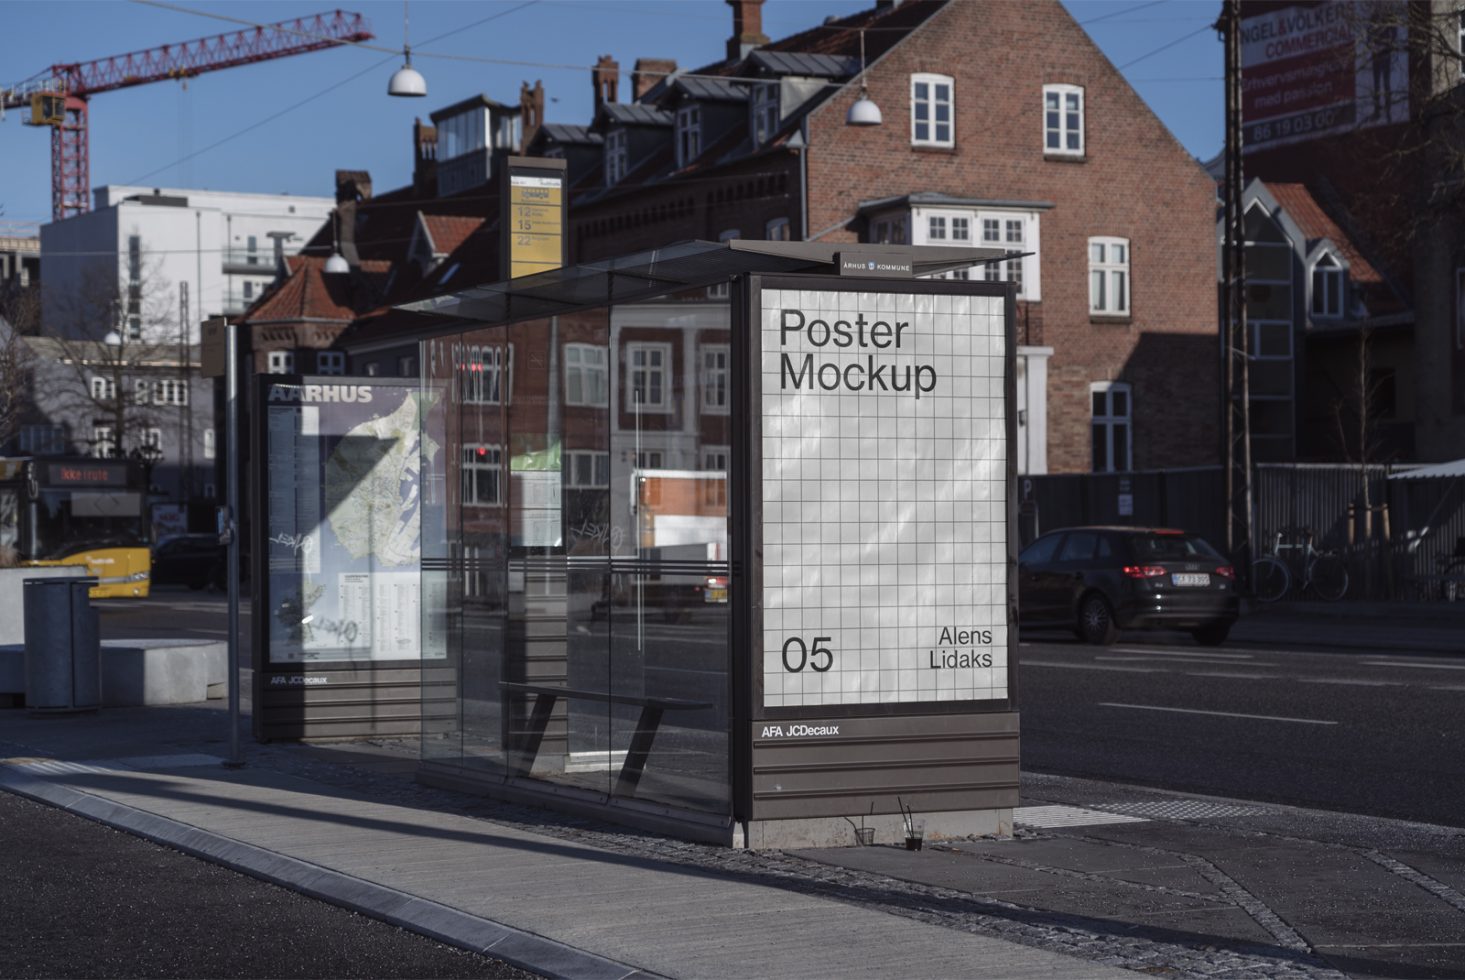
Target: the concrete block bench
pixel 139 671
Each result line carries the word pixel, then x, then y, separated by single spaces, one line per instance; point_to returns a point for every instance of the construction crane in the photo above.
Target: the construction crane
pixel 57 97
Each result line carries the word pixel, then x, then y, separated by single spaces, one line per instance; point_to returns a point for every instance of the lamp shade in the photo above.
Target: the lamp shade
pixel 863 113
pixel 407 82
pixel 336 265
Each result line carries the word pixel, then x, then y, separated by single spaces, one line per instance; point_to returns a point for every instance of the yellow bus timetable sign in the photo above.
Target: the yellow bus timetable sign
pixel 536 224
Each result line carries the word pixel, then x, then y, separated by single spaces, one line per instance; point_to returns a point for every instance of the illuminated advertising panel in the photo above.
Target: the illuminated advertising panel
pixel 884 497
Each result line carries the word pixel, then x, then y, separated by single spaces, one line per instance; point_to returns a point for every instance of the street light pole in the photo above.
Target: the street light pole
pixel 1235 346
pixel 231 529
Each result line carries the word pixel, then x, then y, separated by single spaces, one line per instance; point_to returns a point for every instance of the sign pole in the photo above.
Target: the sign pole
pixel 230 531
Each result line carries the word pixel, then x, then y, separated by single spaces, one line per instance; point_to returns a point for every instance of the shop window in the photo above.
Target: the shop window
pixel 648 376
pixel 1109 276
pixel 483 475
pixel 932 120
pixel 587 379
pixel 1110 426
pixel 1063 123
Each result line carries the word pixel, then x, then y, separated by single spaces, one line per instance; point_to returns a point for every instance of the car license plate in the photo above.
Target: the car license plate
pixel 1190 579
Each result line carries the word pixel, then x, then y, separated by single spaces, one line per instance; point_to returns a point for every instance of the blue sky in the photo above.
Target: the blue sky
pixel 287 125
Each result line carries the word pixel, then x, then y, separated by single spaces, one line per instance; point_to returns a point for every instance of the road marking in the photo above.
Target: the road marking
pixel 1229 673
pixel 1124 670
pixel 1348 680
pixel 1209 654
pixel 1218 714
pixel 1401 663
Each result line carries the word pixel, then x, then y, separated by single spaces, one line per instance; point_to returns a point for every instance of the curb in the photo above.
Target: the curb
pixel 427 918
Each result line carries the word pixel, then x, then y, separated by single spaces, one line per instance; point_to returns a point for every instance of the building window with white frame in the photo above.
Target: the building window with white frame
pixel 485 374
pixel 103 389
pixel 587 469
pixel 936 228
pixel 170 391
pixel 777 230
pixel 1109 276
pixel 714 459
pixel 616 156
pixel 765 112
pixel 716 379
pixel 151 438
pixel 889 231
pixel 483 475
pixel 587 378
pixel 1009 232
pixel 330 362
pixel 1327 287
pixel 689 134
pixel 932 108
pixel 210 447
pixel 648 377
pixel 1110 426
pixel 407 366
pixel 104 443
pixel 281 362
pixel 1063 123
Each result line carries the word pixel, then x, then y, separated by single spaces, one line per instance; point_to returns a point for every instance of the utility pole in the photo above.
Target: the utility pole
pixel 1235 342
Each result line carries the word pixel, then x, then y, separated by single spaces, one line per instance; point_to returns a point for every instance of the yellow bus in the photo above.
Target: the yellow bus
pixel 65 511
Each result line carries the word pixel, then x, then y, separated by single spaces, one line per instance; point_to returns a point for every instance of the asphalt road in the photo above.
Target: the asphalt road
pixel 83 900
pixel 1359 732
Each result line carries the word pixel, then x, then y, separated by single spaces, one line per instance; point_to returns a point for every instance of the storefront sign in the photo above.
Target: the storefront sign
pixel 884 492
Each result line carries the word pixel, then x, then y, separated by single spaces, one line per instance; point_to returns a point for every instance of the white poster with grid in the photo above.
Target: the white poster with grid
pixel 884 497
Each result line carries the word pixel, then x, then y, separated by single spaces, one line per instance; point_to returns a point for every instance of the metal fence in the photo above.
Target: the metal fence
pixel 1398 540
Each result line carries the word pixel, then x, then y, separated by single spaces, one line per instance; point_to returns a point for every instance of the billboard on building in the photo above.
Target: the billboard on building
pixel 1319 69
pixel 884 497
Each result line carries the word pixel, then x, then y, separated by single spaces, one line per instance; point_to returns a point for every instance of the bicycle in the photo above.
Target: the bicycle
pixel 1322 572
pixel 1452 573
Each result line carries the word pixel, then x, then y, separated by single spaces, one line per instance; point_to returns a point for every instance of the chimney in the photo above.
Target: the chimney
pixel 353 185
pixel 747 28
pixel 649 73
pixel 424 159
pixel 607 78
pixel 531 111
pixel 352 188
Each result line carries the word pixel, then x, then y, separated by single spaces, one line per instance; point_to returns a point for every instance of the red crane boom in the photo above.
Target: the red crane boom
pixel 57 97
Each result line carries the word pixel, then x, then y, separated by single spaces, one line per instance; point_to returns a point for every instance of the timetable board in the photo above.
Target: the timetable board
pixel 884 497
pixel 534 217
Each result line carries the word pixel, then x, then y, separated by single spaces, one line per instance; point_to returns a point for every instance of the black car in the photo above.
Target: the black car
pixel 1099 580
pixel 194 560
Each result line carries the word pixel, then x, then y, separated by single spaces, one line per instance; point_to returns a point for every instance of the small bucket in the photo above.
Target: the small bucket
pixel 864 836
pixel 915 835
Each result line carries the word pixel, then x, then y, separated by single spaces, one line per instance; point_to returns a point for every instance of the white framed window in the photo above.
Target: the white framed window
pixel 714 458
pixel 587 469
pixel 486 373
pixel 936 228
pixel 142 392
pixel 650 459
pixel 889 231
pixel 1109 276
pixel 1110 426
pixel 716 379
pixel 1063 124
pixel 1009 231
pixel 616 156
pixel 587 375
pixel 483 475
pixel 1327 287
pixel 765 112
pixel 151 438
pixel 689 134
pixel 281 362
pixel 330 362
pixel 104 443
pixel 648 377
pixel 43 440
pixel 776 230
pixel 933 122
pixel 210 446
pixel 170 391
pixel 103 389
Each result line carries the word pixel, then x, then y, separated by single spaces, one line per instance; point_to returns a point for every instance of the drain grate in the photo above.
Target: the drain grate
pixel 1068 816
pixel 1181 809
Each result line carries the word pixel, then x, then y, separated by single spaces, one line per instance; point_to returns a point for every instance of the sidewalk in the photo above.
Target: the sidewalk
pixel 1380 627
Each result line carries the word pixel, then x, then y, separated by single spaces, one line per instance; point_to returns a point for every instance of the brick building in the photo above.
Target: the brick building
pixel 1060 160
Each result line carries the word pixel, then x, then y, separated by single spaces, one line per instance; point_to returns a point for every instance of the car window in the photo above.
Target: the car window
pixel 1104 550
pixel 1079 546
pixel 1171 547
pixel 1041 550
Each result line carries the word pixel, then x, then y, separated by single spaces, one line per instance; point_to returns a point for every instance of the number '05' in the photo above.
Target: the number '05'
pixel 797 655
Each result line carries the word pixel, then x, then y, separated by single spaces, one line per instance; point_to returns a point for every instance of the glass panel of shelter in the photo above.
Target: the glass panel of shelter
pixel 583 550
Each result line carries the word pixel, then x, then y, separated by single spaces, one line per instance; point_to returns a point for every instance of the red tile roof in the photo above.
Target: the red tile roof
pixel 448 231
pixel 307 293
pixel 1299 204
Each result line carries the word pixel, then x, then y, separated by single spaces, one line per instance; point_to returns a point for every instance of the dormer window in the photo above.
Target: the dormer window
pixel 1327 288
pixel 765 112
pixel 689 134
pixel 615 157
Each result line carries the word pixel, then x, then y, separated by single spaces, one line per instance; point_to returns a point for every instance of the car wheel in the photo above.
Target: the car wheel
pixel 1213 635
pixel 1096 621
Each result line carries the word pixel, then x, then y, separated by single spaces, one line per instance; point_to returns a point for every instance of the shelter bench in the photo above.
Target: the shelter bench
pixel 521 758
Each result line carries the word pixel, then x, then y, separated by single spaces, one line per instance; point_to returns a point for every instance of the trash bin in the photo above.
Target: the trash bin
pixel 63 666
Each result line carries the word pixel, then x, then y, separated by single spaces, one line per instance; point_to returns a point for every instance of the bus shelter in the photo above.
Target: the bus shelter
pixel 719 540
